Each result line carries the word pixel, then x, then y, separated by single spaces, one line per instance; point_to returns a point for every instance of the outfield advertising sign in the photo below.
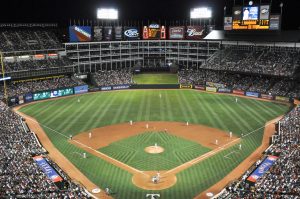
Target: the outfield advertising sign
pixel 262 168
pixel 28 97
pixel 41 95
pixel 284 99
pixel 211 89
pixel 224 90
pixel 252 94
pixel 47 169
pixel 120 87
pixel 264 96
pixel 200 87
pixel 190 86
pixel 238 92
pixel 81 89
pixel 115 87
pixel 61 92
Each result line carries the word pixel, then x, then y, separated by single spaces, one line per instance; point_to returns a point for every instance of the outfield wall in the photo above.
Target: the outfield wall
pixel 209 87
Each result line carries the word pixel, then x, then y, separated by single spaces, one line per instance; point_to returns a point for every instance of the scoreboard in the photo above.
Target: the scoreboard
pixel 251 18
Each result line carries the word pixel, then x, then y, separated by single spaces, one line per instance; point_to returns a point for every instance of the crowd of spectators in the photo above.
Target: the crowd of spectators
pixel 248 59
pixel 283 178
pixel 112 77
pixel 20 176
pixel 36 64
pixel 254 83
pixel 23 87
pixel 28 39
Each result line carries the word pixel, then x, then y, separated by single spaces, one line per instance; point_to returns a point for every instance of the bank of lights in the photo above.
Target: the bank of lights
pixel 107 13
pixel 199 13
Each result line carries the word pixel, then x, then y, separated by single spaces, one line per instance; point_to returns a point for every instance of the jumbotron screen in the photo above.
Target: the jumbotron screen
pixel 250 18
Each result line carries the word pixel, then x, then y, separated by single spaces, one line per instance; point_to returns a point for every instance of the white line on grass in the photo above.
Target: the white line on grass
pixel 89 147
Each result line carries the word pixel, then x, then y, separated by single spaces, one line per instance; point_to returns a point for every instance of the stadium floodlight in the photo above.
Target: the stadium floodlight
pixel 107 13
pixel 200 13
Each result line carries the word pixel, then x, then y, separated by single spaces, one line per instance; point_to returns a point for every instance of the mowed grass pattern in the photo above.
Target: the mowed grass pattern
pixel 157 78
pixel 66 116
pixel 177 151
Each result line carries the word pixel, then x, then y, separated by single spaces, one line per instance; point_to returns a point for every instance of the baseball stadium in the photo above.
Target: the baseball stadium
pixel 106 107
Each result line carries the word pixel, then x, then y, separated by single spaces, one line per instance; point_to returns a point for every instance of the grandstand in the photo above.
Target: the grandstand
pixel 37 65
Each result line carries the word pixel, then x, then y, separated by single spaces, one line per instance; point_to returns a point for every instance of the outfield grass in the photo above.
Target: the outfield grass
pixel 177 151
pixel 156 78
pixel 66 116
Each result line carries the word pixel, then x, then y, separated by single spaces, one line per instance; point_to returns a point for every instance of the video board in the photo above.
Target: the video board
pixel 255 17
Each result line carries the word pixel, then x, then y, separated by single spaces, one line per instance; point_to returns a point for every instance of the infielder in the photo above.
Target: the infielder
pixel 130 122
pixel 90 135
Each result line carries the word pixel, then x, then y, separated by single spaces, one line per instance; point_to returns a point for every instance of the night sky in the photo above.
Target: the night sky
pixel 61 11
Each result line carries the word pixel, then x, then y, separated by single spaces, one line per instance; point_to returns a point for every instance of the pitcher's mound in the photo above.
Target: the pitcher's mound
pixel 154 149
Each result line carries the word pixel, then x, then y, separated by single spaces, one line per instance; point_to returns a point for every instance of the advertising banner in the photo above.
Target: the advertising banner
pixel 120 87
pixel 200 87
pixel 13 101
pixel 61 92
pixel 284 99
pixel 176 32
pixel 28 97
pixel 154 31
pixel 211 89
pixel 81 89
pixel 237 13
pixel 80 33
pixel 217 85
pixel 227 23
pixel 98 34
pixel 270 97
pixel 238 92
pixel 106 88
pixel 41 95
pixel 224 90
pixel 108 33
pixel 131 33
pixel 274 22
pixel 21 99
pixel 264 12
pixel 195 32
pixel 262 168
pixel 118 33
pixel 252 94
pixel 189 86
pixel 47 169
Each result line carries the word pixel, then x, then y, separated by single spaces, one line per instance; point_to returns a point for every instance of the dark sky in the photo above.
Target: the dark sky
pixel 61 11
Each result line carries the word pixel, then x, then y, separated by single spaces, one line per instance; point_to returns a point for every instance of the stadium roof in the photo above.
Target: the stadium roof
pixel 283 36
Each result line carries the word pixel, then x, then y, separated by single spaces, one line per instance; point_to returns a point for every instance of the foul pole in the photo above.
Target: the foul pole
pixel 3 75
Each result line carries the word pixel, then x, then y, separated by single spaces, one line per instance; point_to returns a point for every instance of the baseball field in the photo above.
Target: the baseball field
pixel 184 135
pixel 156 78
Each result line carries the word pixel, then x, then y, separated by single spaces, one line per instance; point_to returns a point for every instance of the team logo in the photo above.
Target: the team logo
pixel 153 196
pixel 131 33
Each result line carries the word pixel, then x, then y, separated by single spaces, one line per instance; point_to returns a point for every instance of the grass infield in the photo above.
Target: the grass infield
pixel 65 116
pixel 156 78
